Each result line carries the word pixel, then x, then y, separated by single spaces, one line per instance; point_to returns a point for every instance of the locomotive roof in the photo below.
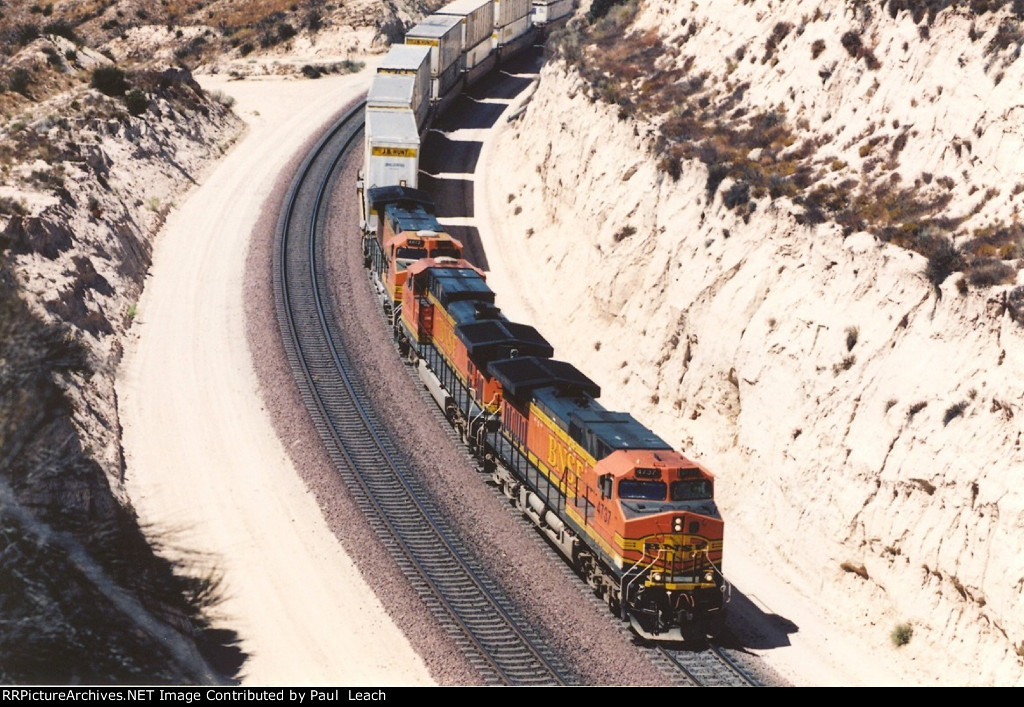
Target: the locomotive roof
pixel 521 376
pixel 451 285
pixel 597 430
pixel 488 339
pixel 410 216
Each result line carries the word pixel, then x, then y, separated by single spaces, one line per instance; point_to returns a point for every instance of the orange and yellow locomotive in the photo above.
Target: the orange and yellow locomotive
pixel 637 519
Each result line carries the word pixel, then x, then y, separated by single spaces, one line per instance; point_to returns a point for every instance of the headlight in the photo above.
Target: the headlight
pixel 677 525
pixel 709 576
pixel 656 576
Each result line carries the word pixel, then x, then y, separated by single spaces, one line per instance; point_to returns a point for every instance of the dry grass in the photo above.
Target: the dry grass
pixel 700 117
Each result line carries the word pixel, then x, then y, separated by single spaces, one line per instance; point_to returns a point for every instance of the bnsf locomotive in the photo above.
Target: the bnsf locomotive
pixel 636 519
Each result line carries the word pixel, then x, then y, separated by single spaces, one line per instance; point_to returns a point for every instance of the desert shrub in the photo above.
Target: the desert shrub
pixel 225 99
pixel 953 411
pixel 859 570
pixel 736 195
pixel 11 206
pixel 61 28
pixel 852 333
pixel 845 364
pixel 109 80
pixel 20 80
pixel 624 233
pixel 943 261
pixel 285 31
pixel 669 164
pixel 246 49
pixel 136 102
pixel 901 635
pixel 817 47
pixel 1015 304
pixel 851 43
pixel 717 171
pixel 600 8
pixel 987 272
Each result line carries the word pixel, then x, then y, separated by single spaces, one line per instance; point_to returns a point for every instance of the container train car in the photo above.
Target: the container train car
pixel 634 517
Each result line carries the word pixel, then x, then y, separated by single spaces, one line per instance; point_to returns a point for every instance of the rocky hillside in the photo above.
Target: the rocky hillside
pixel 790 231
pixel 102 131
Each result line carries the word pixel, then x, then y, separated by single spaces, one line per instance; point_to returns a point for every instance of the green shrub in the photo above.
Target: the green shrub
pixel 901 635
pixel 109 80
pixel 20 80
pixel 136 102
pixel 954 411
pixel 943 261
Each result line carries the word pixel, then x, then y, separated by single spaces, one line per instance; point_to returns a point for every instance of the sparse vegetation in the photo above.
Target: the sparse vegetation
pixel 624 233
pixel 901 634
pixel 109 80
pixel 136 102
pixel 858 570
pixel 852 333
pixel 954 411
pixel 701 118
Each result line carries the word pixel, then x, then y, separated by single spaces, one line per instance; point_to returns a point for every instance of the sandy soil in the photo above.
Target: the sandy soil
pixel 203 460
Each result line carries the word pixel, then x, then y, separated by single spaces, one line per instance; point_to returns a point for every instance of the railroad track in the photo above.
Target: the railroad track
pixel 711 667
pixel 486 625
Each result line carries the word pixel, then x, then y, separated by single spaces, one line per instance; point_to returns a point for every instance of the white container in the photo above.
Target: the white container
pixel 443 34
pixel 391 153
pixel 399 92
pixel 508 11
pixel 512 31
pixel 547 11
pixel 414 60
pixel 477 17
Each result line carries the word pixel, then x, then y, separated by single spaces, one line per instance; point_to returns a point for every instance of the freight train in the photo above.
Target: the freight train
pixel 635 518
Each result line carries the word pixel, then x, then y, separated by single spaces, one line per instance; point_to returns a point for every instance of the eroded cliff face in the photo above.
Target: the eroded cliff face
pixel 862 412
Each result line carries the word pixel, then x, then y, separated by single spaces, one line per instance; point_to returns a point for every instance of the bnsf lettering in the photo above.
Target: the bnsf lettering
pixel 422 42
pixel 445 337
pixel 560 459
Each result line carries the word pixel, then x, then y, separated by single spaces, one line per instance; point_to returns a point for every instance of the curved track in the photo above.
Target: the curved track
pixel 481 619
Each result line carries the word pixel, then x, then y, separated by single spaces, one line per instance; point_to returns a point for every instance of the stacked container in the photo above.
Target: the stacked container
pixel 511 20
pixel 392 155
pixel 477 19
pixel 411 60
pixel 443 34
pixel 548 11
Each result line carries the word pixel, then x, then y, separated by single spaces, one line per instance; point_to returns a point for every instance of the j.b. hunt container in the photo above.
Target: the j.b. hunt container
pixel 392 154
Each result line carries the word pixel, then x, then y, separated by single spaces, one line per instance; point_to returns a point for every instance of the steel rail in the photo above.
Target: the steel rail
pixel 487 626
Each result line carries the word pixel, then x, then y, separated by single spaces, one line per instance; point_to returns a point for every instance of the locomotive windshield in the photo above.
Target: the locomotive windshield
pixel 642 490
pixel 691 490
pixel 404 257
pixel 445 251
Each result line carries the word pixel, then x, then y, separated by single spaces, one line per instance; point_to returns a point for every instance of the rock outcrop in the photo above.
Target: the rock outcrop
pixel 860 401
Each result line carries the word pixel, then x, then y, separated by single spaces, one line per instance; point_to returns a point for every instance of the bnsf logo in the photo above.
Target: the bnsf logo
pixel 561 459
